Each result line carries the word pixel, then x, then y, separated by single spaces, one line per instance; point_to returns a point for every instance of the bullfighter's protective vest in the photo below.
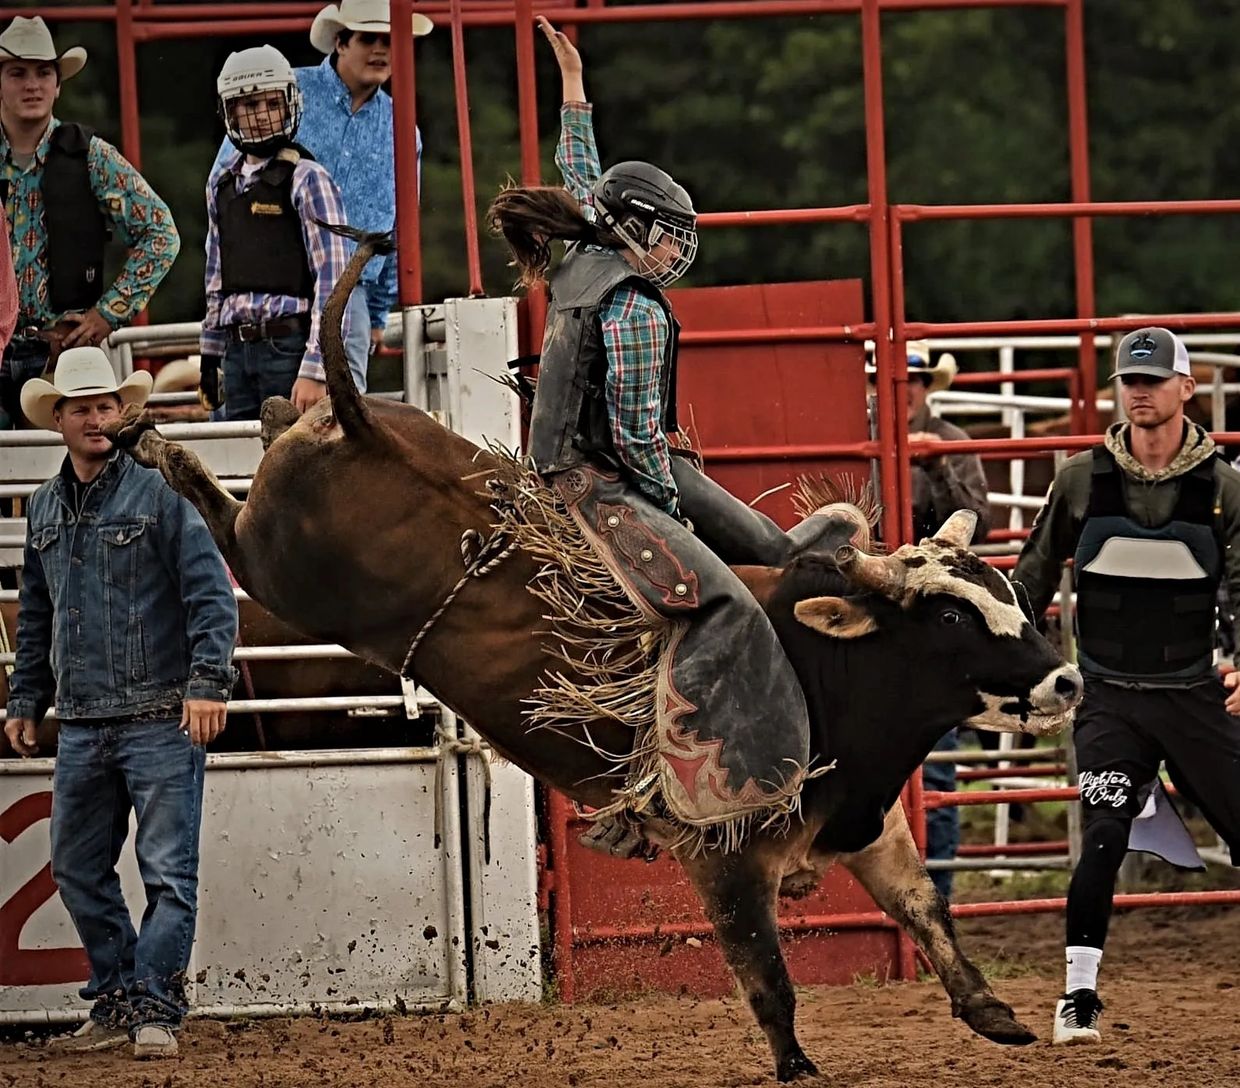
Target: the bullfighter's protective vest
pixel 262 248
pixel 1146 597
pixel 77 231
pixel 569 425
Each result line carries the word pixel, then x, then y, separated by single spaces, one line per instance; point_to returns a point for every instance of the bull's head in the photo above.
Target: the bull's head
pixel 956 627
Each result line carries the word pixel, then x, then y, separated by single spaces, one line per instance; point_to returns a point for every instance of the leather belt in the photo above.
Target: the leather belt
pixel 251 332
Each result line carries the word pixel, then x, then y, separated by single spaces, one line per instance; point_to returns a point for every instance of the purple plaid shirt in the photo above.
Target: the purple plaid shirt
pixel 315 196
pixel 634 334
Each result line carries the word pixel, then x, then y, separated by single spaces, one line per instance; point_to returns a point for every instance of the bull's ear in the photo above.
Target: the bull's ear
pixel 835 617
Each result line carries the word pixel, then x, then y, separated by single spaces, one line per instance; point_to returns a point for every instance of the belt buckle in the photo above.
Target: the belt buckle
pixel 248 333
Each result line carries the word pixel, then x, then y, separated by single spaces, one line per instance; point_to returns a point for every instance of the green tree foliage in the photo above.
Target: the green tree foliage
pixel 767 113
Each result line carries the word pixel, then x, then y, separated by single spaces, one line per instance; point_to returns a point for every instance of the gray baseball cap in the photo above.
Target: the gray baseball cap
pixel 1153 351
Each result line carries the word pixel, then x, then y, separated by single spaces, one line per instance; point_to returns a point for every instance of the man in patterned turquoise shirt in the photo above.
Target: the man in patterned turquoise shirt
pixel 346 125
pixel 66 192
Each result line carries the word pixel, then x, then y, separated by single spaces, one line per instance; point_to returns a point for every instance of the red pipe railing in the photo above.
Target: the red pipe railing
pixel 469 196
pixel 404 121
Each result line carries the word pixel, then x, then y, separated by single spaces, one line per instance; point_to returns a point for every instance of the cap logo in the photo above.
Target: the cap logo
pixel 1142 347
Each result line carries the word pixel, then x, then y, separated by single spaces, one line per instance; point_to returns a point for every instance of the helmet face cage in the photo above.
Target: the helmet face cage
pixel 665 249
pixel 278 125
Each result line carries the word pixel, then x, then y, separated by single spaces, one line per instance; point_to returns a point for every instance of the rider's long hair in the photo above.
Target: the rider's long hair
pixel 530 218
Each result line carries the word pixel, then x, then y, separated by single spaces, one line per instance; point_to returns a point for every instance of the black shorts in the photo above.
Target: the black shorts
pixel 1123 734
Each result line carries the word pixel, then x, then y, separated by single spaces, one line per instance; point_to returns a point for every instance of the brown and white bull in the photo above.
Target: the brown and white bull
pixel 352 531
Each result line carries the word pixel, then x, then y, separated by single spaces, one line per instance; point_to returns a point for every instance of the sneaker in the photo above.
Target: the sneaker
pixel 92 1035
pixel 154 1041
pixel 1076 1018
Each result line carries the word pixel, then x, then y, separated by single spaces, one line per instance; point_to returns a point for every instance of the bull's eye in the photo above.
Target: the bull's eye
pixel 950 615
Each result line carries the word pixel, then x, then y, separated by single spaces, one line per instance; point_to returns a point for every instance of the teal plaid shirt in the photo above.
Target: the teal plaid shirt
pixel 634 334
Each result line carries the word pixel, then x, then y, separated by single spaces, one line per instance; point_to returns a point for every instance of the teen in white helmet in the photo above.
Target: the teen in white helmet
pixel 259 100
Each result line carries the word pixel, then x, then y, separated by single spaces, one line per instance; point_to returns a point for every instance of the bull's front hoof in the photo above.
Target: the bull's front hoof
pixel 126 431
pixel 994 1020
pixel 795 1066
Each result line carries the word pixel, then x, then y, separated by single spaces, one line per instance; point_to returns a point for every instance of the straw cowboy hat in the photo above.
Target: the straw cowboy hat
pixel 941 374
pixel 364 15
pixel 29 39
pixel 80 372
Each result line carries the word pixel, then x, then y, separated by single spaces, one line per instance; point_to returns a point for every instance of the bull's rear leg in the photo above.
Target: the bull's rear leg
pixel 891 871
pixel 739 892
pixel 135 432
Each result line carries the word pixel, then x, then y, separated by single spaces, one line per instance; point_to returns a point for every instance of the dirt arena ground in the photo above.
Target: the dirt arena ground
pixel 1171 981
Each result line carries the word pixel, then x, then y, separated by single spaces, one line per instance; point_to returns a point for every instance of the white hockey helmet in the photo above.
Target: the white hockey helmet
pixel 249 71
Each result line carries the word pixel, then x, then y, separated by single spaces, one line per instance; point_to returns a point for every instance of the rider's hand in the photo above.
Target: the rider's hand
pixel 307 393
pixel 202 720
pixel 568 58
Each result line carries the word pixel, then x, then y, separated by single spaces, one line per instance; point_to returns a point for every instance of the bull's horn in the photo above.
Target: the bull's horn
pixel 958 529
pixel 880 574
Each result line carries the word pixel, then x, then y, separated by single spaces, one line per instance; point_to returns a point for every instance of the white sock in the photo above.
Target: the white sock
pixel 1082 967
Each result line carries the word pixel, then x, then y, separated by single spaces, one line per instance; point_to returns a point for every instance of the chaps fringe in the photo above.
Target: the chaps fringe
pixel 612 654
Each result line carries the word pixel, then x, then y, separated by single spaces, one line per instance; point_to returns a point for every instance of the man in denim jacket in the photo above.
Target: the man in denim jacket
pixel 127 622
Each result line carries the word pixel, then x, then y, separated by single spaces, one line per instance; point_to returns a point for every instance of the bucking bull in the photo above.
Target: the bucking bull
pixel 365 519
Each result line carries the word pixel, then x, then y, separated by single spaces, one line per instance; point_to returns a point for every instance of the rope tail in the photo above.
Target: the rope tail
pixel 347 403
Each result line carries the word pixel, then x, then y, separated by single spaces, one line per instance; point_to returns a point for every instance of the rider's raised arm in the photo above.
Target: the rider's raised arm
pixel 577 154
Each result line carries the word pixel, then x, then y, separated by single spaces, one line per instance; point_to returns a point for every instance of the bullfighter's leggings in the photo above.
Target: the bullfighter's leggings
pixel 1122 735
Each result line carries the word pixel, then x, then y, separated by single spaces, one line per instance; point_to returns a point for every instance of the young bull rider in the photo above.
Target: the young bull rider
pixel 270 265
pixel 127 621
pixel 605 404
pixel 1151 519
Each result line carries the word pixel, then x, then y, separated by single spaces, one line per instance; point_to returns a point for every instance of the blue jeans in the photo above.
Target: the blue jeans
pixel 254 372
pixel 357 346
pixel 24 358
pixel 942 824
pixel 102 772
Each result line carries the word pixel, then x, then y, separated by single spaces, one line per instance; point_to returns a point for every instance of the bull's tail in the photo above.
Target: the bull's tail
pixel 347 403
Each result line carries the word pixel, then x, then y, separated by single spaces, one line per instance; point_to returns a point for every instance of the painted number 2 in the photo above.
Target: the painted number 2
pixel 32 966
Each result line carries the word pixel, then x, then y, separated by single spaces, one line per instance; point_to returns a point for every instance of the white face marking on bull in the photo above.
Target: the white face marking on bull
pixel 933 567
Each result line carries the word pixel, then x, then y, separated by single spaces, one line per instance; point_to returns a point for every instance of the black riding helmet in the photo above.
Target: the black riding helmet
pixel 645 206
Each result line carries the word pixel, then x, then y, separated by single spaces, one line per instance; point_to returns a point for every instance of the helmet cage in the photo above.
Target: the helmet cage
pixel 282 130
pixel 664 247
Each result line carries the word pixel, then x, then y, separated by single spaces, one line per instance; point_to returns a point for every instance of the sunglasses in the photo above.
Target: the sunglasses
pixel 369 37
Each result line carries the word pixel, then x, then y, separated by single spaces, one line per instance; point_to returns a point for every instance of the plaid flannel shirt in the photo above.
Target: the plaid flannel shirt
pixel 137 216
pixel 315 196
pixel 634 334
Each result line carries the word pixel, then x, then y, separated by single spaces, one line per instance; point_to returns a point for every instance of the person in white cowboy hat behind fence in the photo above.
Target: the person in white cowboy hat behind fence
pixel 66 191
pixel 347 125
pixel 126 623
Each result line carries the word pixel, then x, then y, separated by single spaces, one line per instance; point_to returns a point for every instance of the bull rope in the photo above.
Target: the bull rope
pixel 489 554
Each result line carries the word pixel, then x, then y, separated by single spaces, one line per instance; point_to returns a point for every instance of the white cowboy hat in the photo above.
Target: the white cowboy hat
pixel 80 372
pixel 365 15
pixel 941 374
pixel 29 39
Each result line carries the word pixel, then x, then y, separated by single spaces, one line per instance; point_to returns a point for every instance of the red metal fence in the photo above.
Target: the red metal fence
pixel 745 456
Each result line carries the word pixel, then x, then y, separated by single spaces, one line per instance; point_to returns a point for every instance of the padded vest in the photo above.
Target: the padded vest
pixel 1146 603
pixel 77 231
pixel 569 423
pixel 262 248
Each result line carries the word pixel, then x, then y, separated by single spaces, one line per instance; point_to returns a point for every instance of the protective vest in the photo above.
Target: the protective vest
pixel 77 231
pixel 1146 597
pixel 569 424
pixel 262 248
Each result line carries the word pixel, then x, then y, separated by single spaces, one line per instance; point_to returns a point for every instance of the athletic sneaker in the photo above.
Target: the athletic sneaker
pixel 1076 1018
pixel 154 1041
pixel 91 1036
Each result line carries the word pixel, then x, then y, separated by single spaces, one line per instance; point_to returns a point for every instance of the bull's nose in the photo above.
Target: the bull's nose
pixel 1068 685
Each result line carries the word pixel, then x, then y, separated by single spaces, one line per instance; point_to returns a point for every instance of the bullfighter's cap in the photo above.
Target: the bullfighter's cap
pixel 1156 352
